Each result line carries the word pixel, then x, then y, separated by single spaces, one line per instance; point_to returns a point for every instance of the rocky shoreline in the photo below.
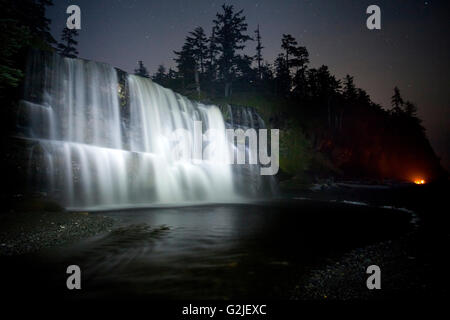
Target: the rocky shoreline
pixel 345 278
pixel 27 232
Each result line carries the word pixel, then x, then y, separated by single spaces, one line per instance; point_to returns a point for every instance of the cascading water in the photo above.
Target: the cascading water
pixel 95 152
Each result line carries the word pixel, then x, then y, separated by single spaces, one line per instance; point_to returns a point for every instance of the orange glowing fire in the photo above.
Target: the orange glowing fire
pixel 419 181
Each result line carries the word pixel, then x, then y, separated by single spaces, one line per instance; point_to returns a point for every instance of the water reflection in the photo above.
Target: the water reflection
pixel 222 251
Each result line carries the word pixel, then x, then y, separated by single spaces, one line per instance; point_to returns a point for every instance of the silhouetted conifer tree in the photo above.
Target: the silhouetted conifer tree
pixel 68 45
pixel 160 76
pixel 258 55
pixel 199 47
pixel 349 89
pixel 410 109
pixel 397 101
pixel 141 70
pixel 230 37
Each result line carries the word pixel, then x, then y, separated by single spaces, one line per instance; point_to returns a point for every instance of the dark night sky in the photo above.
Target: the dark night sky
pixel 412 50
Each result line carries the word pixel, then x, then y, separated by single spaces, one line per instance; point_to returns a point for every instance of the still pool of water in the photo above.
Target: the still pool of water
pixel 258 250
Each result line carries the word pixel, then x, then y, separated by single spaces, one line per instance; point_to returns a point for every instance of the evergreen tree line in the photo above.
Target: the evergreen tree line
pixel 338 119
pixel 205 64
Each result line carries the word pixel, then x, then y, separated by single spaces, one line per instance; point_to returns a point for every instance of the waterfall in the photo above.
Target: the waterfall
pixel 155 114
pixel 94 151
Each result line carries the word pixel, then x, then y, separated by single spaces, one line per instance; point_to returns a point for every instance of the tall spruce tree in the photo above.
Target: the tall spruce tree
pixel 289 45
pixel 199 47
pixel 258 55
pixel 410 109
pixel 230 37
pixel 397 101
pixel 160 76
pixel 67 47
pixel 296 58
pixel 283 80
pixel 186 63
pixel 141 70
pixel 349 89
